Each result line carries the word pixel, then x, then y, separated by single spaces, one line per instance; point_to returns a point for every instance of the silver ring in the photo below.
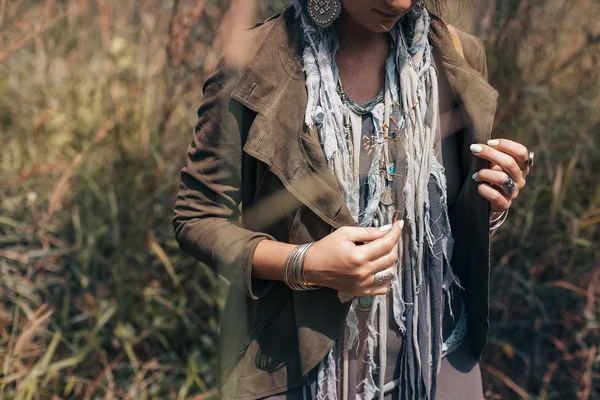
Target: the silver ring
pixel 531 159
pixel 383 277
pixel 509 185
pixel 529 162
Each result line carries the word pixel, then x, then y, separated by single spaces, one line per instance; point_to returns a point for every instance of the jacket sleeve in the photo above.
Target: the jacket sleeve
pixel 207 208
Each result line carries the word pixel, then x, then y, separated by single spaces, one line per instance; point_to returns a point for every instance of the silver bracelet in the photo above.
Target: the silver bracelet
pixel 495 224
pixel 293 270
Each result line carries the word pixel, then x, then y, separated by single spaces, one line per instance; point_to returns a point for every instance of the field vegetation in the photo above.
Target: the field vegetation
pixel 97 105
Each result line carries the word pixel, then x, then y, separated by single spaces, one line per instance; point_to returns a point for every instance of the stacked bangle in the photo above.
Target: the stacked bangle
pixel 495 224
pixel 293 272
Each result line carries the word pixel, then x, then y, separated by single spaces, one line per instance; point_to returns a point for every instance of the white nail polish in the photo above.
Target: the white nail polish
pixel 493 142
pixel 475 175
pixel 385 228
pixel 401 223
pixel 476 148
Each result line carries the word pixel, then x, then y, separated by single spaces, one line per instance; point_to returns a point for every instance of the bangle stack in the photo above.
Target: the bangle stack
pixel 495 224
pixel 293 270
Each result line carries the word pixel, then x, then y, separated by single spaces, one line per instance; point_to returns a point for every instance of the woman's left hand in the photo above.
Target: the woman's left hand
pixel 508 162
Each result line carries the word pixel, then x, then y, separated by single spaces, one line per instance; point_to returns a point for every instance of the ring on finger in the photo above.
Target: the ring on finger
pixel 509 185
pixel 383 276
pixel 529 162
pixel 531 158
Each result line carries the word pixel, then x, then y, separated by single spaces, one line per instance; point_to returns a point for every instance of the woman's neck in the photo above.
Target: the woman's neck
pixel 359 38
pixel 361 59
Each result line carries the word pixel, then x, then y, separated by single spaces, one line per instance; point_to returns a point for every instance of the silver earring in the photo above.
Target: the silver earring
pixel 417 10
pixel 324 12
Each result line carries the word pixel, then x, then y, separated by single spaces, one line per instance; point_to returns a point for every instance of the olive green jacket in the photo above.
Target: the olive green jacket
pixel 255 172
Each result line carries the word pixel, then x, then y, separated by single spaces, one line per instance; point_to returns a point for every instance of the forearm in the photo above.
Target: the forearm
pixel 269 259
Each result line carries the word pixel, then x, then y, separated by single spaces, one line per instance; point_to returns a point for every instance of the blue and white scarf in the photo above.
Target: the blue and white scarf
pixel 418 292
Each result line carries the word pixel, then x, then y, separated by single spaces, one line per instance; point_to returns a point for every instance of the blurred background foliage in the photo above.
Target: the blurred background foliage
pixel 97 105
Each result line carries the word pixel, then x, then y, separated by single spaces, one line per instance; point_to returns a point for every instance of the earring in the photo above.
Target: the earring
pixel 417 10
pixel 324 12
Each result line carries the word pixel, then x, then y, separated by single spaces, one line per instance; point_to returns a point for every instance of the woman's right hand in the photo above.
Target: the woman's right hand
pixel 340 260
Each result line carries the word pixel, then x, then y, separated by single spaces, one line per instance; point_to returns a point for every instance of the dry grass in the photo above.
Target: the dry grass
pixel 543 57
pixel 97 101
pixel 96 105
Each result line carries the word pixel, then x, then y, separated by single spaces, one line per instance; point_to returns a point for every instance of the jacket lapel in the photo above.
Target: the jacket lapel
pixel 273 86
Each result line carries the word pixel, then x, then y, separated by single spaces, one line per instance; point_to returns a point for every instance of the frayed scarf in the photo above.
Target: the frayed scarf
pixel 418 291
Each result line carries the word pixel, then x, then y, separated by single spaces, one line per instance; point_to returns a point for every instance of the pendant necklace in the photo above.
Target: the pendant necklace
pixel 347 124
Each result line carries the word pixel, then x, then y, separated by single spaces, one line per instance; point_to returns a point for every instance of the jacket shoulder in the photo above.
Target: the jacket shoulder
pixel 474 51
pixel 257 34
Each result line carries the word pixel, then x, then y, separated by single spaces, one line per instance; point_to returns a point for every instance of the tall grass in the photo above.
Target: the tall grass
pixel 543 58
pixel 97 101
pixel 96 106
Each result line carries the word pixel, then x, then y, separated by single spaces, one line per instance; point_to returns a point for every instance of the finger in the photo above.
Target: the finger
pixel 495 197
pixel 506 161
pixel 515 149
pixel 358 234
pixel 369 283
pixel 494 177
pixel 380 247
pixel 522 184
pixel 387 261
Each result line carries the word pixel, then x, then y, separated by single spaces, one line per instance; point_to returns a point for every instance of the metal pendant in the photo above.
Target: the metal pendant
pixel 324 12
pixel 365 302
pixel 387 198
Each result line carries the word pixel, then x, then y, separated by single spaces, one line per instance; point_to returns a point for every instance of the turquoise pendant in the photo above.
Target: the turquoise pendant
pixel 365 302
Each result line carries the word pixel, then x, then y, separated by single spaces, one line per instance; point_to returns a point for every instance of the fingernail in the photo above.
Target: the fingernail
pixel 476 148
pixel 493 142
pixel 385 228
pixel 401 223
pixel 475 175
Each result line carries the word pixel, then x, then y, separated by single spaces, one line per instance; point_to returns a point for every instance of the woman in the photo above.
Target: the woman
pixel 356 138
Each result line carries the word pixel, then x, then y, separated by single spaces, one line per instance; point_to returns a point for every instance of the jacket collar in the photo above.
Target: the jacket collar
pixel 272 84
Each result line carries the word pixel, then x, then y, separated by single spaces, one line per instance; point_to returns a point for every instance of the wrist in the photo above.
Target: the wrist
pixel 269 258
pixel 498 220
pixel 308 272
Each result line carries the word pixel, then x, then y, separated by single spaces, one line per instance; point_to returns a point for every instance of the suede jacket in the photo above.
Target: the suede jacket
pixel 254 171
